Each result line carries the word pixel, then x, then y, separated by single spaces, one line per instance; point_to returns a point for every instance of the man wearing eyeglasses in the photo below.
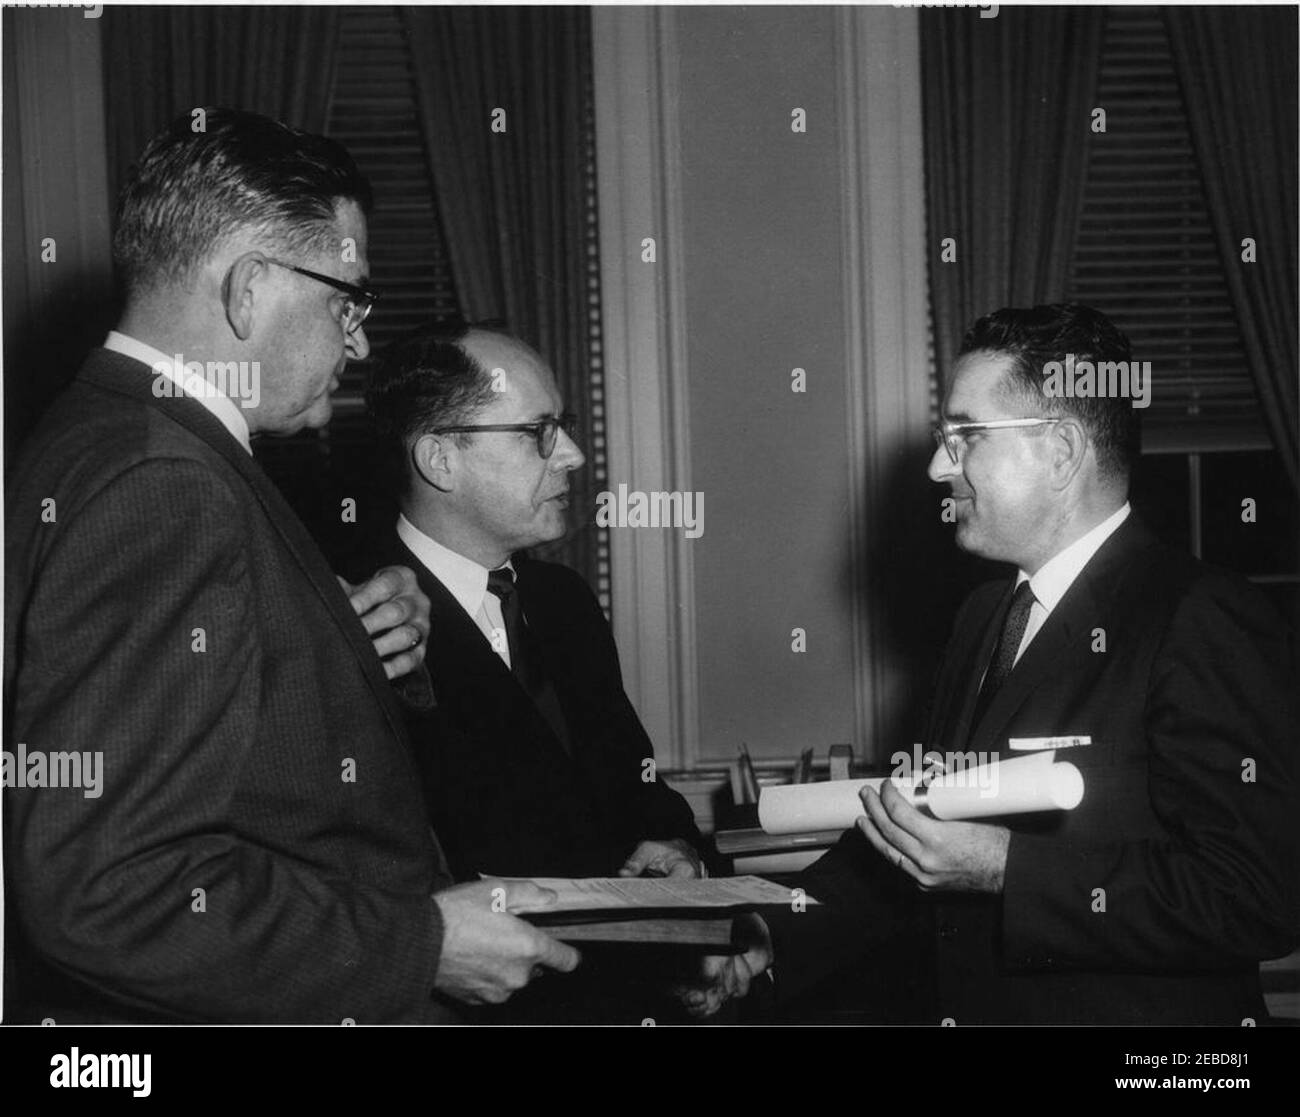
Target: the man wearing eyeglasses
pixel 1170 685
pixel 535 763
pixel 254 847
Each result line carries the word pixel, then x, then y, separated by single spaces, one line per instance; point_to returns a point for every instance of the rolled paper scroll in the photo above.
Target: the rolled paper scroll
pixel 1020 786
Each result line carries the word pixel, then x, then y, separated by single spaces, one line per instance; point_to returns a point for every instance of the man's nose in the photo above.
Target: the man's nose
pixel 567 454
pixel 942 467
pixel 357 344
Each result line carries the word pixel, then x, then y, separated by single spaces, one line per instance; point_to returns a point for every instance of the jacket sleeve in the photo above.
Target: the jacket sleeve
pixel 865 909
pixel 1217 887
pixel 147 889
pixel 662 812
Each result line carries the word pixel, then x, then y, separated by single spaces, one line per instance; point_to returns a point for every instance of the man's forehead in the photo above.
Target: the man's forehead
pixel 347 249
pixel 488 346
pixel 519 374
pixel 976 384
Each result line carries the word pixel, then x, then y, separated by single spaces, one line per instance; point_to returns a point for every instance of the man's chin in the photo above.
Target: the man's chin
pixel 984 547
pixel 967 538
pixel 314 417
pixel 554 525
pixel 319 414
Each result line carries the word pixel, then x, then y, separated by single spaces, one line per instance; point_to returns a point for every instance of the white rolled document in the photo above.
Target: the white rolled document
pixel 1030 783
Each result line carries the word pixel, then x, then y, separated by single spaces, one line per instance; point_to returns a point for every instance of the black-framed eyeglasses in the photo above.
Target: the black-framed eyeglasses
pixel 358 304
pixel 544 430
pixel 951 436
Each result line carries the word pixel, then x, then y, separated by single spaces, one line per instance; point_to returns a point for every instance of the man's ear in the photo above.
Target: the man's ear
pixel 1069 451
pixel 239 289
pixel 436 460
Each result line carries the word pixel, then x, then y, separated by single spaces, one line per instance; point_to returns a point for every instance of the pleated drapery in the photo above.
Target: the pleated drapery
pixel 1007 106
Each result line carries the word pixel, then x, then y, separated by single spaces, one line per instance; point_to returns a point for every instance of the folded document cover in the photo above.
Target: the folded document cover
pixel 653 910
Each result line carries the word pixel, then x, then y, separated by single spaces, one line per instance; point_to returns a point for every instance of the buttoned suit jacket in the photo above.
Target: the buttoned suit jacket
pixel 504 794
pixel 1156 898
pixel 259 850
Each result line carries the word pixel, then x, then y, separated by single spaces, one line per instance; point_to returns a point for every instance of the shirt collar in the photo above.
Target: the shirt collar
pixel 1058 573
pixel 464 578
pixel 220 406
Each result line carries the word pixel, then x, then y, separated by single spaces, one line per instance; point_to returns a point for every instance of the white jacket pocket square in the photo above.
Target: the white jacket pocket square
pixel 1036 744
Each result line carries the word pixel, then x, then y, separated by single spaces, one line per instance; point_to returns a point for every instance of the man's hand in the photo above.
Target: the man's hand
pixel 487 953
pixel 939 856
pixel 674 858
pixel 728 976
pixel 395 612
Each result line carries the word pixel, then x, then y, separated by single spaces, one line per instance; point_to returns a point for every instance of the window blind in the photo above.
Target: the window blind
pixel 1145 253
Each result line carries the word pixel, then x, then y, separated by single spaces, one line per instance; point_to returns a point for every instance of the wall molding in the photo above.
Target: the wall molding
pixel 886 335
pixel 887 386
pixel 647 420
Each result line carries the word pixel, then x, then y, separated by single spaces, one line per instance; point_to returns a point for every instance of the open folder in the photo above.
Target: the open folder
pixel 654 910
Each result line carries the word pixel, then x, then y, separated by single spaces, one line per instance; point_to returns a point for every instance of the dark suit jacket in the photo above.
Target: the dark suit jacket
pixel 503 794
pixel 227 752
pixel 1154 900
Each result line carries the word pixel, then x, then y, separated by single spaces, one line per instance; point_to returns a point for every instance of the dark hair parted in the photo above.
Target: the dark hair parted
pixel 423 381
pixel 1034 336
pixel 241 173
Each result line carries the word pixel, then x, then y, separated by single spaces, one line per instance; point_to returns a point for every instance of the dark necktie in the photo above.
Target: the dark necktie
pixel 1004 655
pixel 501 582
pixel 526 661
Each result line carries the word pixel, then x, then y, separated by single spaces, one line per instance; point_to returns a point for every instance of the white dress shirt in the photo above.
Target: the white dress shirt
pixel 1058 573
pixel 465 580
pixel 221 407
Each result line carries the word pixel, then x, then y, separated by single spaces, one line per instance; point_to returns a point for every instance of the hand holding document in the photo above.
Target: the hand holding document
pixel 1020 786
pixel 487 955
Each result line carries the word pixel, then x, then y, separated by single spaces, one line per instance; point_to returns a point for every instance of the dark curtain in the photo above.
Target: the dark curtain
pixel 160 62
pixel 1007 104
pixel 514 203
pixel 1237 69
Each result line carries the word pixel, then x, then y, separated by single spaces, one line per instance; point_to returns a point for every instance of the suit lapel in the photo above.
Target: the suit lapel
pixel 1064 635
pixel 456 644
pixel 466 672
pixel 1047 655
pixel 968 654
pixel 122 375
